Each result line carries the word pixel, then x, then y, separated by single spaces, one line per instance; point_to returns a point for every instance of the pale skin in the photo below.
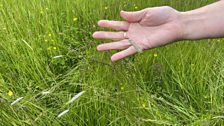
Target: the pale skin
pixel 158 26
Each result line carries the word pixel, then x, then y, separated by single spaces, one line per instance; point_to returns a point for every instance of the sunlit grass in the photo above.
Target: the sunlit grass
pixel 47 57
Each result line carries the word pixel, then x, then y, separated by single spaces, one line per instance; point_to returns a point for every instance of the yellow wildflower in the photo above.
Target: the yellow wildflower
pixel 155 55
pixel 75 19
pixel 10 93
pixel 49 34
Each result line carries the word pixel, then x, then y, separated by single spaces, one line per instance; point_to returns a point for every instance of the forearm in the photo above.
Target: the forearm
pixel 206 22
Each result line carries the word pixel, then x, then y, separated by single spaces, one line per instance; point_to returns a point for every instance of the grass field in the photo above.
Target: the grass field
pixel 48 56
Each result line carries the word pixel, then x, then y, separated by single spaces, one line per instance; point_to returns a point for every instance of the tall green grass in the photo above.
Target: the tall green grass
pixel 182 85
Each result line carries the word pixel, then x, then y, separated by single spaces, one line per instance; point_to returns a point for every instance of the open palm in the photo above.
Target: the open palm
pixel 149 28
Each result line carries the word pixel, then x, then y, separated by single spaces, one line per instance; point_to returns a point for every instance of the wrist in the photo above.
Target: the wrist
pixel 192 24
pixel 203 23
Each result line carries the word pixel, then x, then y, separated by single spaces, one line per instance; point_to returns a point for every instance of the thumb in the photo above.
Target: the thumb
pixel 133 16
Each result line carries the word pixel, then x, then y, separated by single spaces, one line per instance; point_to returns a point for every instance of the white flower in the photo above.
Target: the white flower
pixel 63 113
pixel 16 101
pixel 76 97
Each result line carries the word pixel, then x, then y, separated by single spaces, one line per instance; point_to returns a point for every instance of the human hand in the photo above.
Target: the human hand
pixel 148 28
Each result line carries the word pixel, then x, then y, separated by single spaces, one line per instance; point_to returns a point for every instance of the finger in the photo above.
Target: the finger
pixel 125 53
pixel 117 25
pixel 114 45
pixel 133 16
pixel 109 35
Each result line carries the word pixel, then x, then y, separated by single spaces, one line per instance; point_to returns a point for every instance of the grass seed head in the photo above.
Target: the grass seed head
pixel 63 113
pixel 76 97
pixel 45 92
pixel 57 57
pixel 16 101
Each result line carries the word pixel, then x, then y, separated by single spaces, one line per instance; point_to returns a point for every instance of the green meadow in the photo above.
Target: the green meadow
pixel 48 56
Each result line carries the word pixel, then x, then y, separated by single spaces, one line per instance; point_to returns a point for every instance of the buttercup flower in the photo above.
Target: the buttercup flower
pixel 75 19
pixel 155 55
pixel 10 93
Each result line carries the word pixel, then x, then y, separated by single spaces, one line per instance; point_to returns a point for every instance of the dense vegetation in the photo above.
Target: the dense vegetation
pixel 47 56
